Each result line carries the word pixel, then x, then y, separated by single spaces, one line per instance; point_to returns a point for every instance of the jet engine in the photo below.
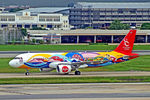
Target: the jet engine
pixel 63 69
pixel 55 64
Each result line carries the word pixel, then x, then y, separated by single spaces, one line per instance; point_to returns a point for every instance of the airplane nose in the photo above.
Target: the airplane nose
pixel 13 64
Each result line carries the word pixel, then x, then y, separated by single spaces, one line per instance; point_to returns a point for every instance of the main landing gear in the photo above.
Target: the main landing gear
pixel 77 73
pixel 27 72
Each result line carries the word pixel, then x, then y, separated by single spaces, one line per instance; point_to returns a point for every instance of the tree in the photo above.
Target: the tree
pixel 24 31
pixel 145 26
pixel 15 9
pixel 117 25
pixel 33 41
pixel 71 4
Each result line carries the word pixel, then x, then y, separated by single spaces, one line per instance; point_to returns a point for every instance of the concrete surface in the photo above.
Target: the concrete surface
pixel 85 91
pixel 10 54
pixel 83 74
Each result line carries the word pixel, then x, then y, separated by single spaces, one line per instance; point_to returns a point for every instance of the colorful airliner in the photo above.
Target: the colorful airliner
pixel 66 62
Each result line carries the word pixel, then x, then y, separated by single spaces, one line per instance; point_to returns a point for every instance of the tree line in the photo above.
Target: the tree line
pixel 117 25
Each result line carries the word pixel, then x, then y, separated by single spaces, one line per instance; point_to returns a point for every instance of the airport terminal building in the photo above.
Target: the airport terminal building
pixel 47 18
pixel 99 15
pixel 96 15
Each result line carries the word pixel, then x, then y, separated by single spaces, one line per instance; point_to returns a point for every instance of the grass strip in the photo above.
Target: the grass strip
pixel 65 47
pixel 54 47
pixel 59 80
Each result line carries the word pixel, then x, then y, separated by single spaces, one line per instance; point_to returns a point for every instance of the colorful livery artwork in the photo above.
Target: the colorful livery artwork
pixel 72 61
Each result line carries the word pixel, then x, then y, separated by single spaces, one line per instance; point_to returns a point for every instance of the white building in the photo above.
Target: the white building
pixel 25 19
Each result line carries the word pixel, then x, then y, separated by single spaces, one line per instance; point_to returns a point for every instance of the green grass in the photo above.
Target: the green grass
pixel 141 47
pixel 64 47
pixel 139 64
pixel 74 80
pixel 53 47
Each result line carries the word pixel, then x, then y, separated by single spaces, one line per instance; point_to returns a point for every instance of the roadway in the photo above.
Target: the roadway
pixel 10 54
pixel 83 74
pixel 82 91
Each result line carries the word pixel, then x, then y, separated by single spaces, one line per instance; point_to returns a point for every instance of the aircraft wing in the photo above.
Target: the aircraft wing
pixel 77 64
pixel 88 62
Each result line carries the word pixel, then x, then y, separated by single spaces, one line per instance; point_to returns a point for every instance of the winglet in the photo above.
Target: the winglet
pixel 127 43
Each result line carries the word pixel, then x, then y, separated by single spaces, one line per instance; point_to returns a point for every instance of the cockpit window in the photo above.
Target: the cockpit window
pixel 18 58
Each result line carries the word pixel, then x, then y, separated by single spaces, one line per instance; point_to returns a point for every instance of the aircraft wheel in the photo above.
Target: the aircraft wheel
pixel 77 72
pixel 41 69
pixel 27 73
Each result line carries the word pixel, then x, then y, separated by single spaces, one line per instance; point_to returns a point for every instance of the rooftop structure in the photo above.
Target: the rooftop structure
pixel 61 10
pixel 113 4
pixel 2 9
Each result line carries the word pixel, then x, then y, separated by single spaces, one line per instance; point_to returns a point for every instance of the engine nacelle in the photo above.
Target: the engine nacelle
pixel 63 69
pixel 83 66
pixel 55 64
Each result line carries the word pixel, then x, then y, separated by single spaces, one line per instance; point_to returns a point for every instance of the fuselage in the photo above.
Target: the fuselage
pixel 43 60
pixel 65 62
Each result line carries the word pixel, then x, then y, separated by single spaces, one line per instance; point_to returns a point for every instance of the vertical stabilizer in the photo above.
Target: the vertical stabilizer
pixel 127 43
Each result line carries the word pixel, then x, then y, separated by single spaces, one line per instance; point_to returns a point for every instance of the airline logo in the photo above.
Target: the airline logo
pixel 65 69
pixel 126 44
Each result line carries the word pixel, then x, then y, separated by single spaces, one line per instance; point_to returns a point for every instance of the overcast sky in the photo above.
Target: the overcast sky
pixel 50 3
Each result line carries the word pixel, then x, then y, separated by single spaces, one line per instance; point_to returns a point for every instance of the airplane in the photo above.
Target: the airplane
pixel 66 62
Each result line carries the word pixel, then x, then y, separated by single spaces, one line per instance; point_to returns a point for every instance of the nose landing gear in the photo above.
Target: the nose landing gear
pixel 27 72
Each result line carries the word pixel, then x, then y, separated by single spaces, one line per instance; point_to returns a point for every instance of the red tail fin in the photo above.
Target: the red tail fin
pixel 126 44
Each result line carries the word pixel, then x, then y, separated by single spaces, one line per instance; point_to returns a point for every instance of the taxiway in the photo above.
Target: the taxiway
pixel 85 91
pixel 10 54
pixel 84 74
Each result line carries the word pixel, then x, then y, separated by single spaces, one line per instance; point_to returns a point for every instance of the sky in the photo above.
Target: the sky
pixel 52 3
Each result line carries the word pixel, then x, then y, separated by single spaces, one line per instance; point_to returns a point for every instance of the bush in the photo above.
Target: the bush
pixel 117 25
pixel 41 41
pixel 145 26
pixel 38 28
pixel 98 43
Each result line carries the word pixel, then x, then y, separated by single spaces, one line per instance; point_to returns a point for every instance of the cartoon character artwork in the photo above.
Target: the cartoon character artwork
pixel 75 57
pixel 55 58
pixel 37 62
pixel 43 62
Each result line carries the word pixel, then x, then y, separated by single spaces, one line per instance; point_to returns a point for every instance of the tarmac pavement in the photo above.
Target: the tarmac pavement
pixel 83 74
pixel 11 54
pixel 82 91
